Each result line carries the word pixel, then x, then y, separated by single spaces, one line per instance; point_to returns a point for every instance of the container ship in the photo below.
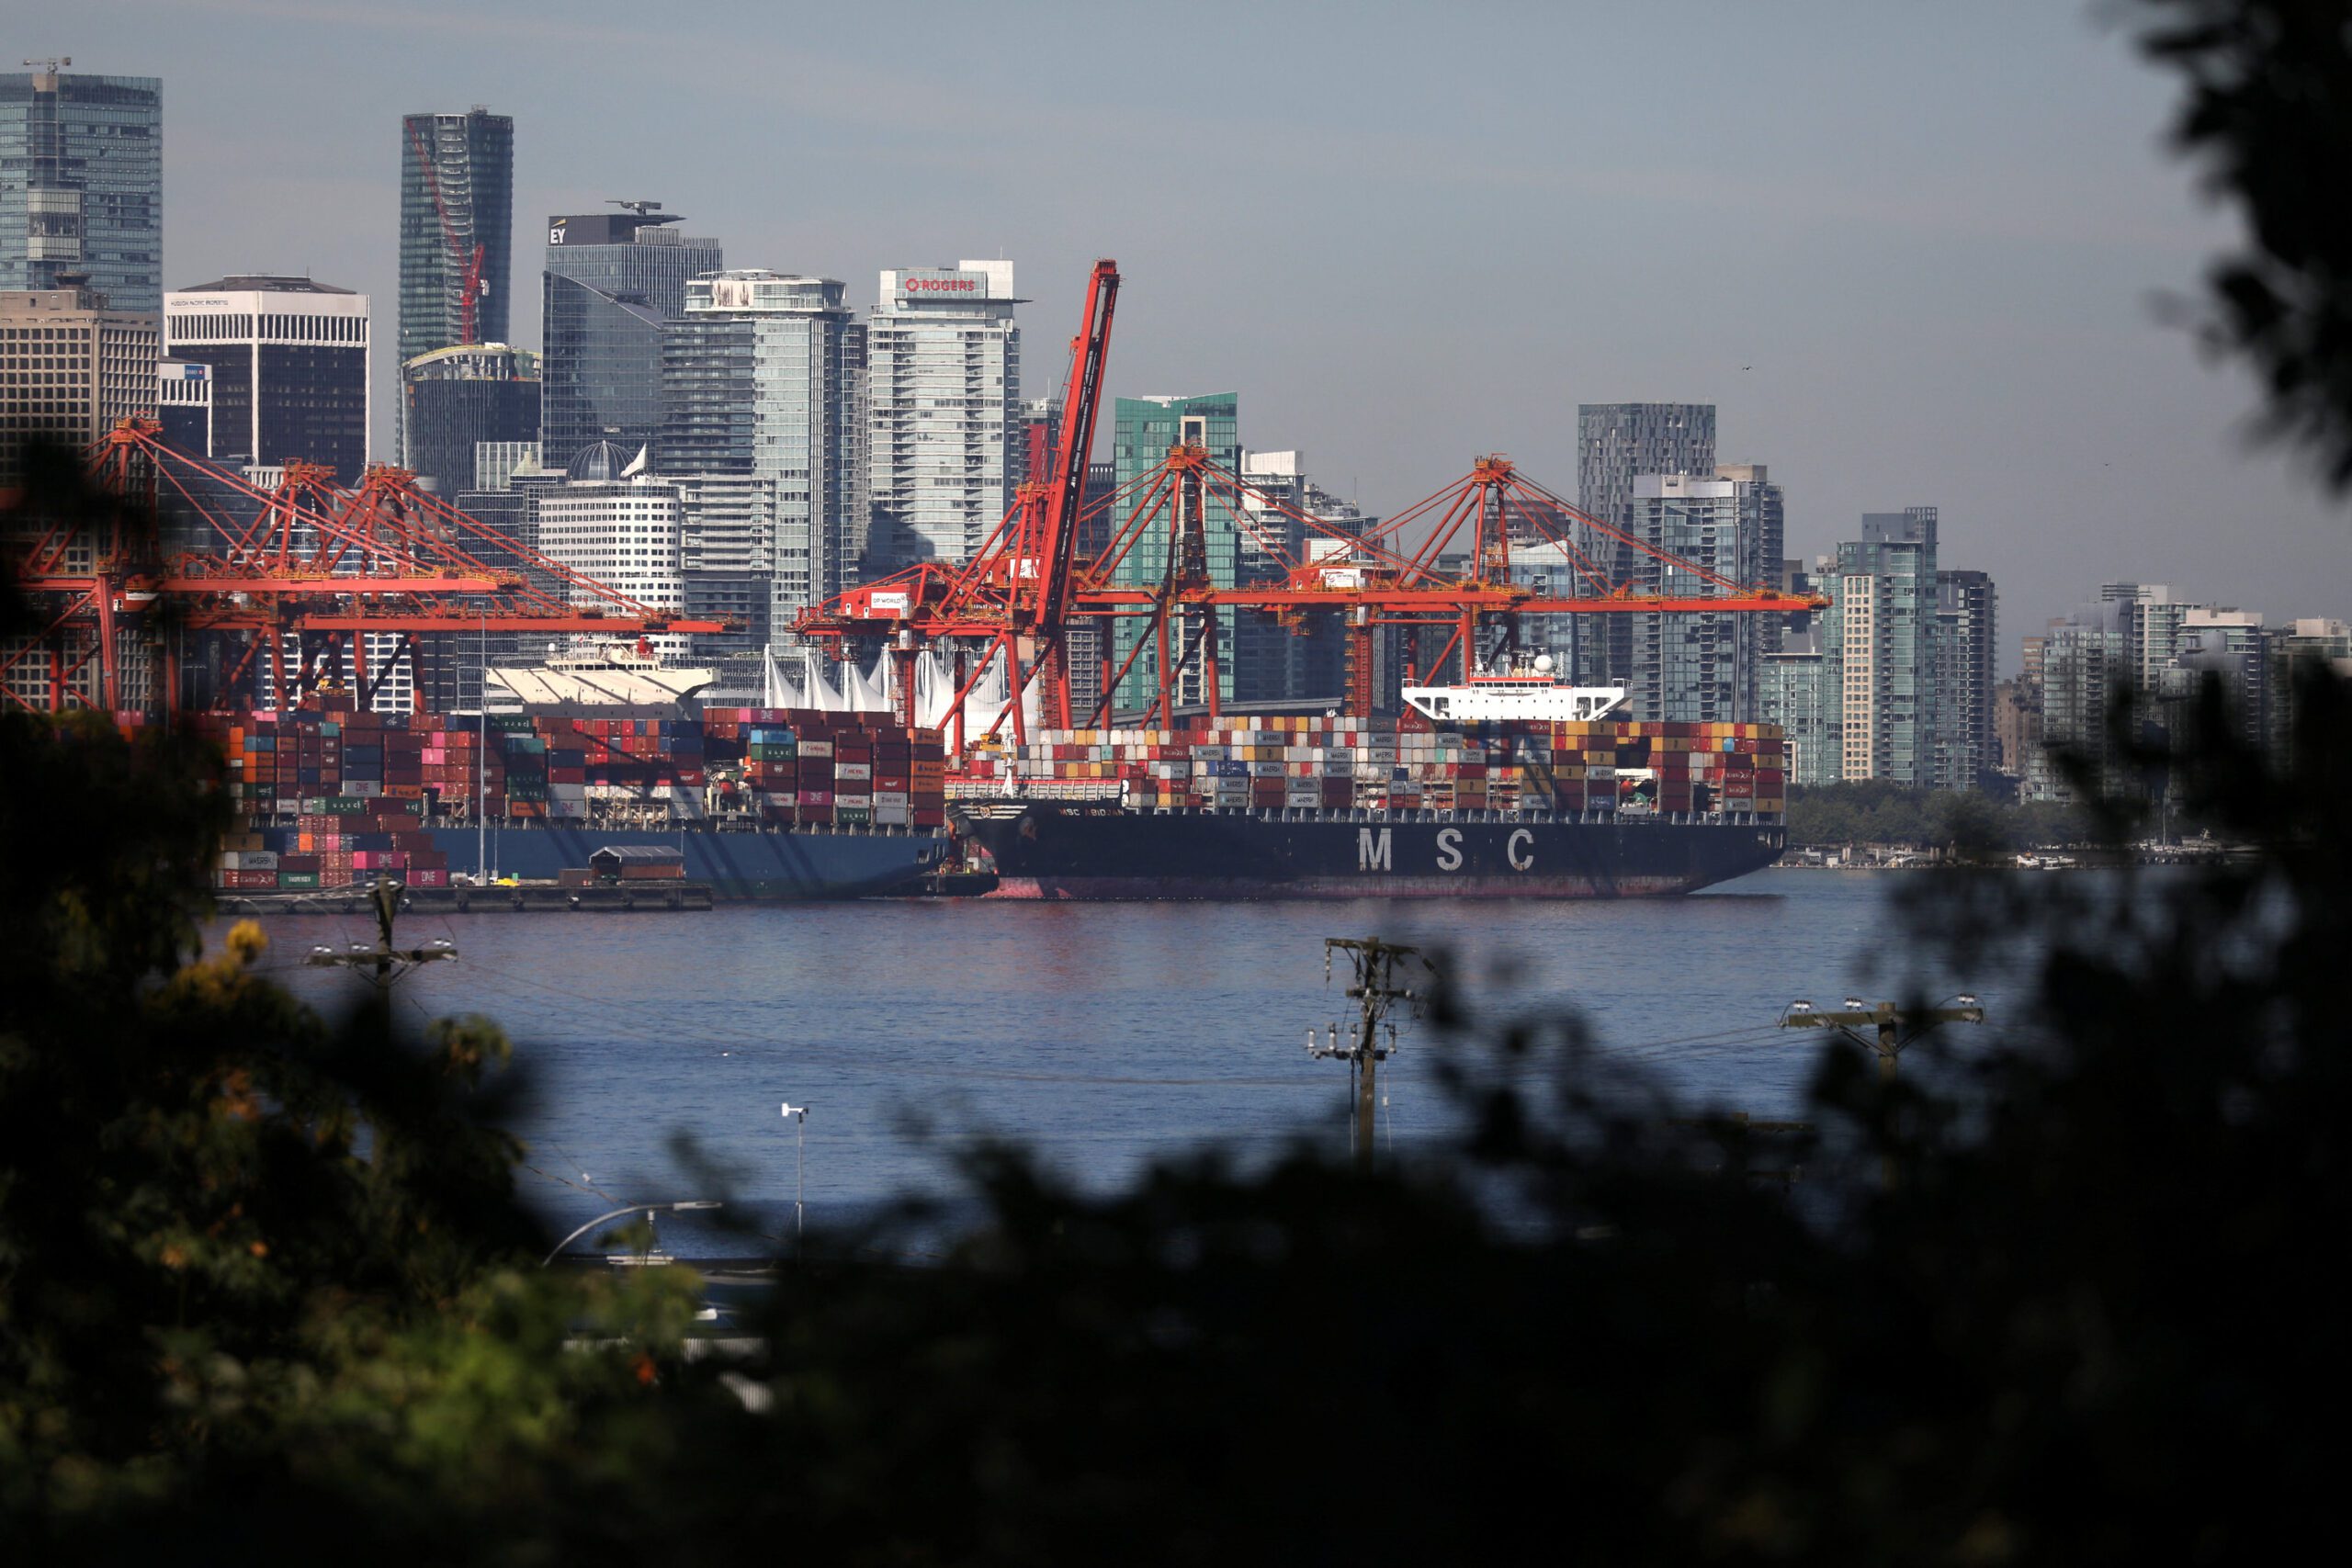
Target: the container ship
pixel 765 804
pixel 1510 786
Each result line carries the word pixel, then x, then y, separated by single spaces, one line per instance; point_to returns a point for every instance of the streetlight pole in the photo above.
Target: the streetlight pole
pixel 648 1208
pixel 798 1116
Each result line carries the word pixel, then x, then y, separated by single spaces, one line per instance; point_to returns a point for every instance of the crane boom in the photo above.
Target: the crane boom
pixel 1074 448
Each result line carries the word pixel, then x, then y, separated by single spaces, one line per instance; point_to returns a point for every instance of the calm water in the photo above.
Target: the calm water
pixel 1104 1035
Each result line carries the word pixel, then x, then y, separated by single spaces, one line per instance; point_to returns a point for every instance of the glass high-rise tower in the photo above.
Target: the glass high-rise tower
pixel 457 229
pixel 82 184
pixel 764 379
pixel 946 377
pixel 1617 443
pixel 610 280
pixel 1144 429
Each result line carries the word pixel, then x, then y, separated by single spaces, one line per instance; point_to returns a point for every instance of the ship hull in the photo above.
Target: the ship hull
pixel 1051 854
pixel 765 866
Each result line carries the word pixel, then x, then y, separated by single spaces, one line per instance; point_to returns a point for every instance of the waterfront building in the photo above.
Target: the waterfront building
pixel 456 229
pixel 610 280
pixel 71 367
pixel 289 367
pixel 945 360
pixel 2233 646
pixel 1616 444
pixel 2084 663
pixel 764 376
pixel 184 405
pixel 82 184
pixel 2150 621
pixel 1794 692
pixel 1763 521
pixel 1142 431
pixel 454 400
pixel 1879 643
pixel 1967 606
pixel 1692 668
pixel 2016 725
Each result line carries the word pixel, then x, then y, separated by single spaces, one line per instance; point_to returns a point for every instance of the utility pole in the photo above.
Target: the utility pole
pixel 1893 1030
pixel 384 958
pixel 1374 988
pixel 799 1115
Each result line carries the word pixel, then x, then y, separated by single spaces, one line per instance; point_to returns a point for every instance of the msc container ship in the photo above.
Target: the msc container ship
pixel 1511 786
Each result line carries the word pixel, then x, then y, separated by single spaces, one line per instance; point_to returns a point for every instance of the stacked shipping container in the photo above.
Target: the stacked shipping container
pixel 850 770
pixel 1521 767
pixel 328 795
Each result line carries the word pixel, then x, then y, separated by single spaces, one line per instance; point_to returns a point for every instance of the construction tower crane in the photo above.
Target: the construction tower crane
pixel 467 264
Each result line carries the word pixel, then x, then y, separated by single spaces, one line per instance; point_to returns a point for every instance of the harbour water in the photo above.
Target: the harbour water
pixel 1104 1036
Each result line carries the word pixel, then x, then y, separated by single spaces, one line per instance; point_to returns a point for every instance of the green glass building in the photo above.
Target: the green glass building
pixel 1145 428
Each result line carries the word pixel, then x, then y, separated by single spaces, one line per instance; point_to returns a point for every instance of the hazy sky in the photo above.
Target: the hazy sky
pixel 1405 234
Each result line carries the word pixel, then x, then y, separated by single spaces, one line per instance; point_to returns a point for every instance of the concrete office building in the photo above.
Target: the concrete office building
pixel 456 229
pixel 944 359
pixel 71 368
pixel 1967 667
pixel 82 184
pixel 765 376
pixel 184 405
pixel 289 368
pixel 455 400
pixel 1617 443
pixel 497 463
pixel 619 530
pixel 610 280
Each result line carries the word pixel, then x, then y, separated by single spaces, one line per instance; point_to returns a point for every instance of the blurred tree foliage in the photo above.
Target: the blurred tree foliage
pixel 2267 115
pixel 1874 811
pixel 246 1252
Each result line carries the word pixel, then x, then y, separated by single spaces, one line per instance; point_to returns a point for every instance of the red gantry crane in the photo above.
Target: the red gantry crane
pixel 295 579
pixel 1017 596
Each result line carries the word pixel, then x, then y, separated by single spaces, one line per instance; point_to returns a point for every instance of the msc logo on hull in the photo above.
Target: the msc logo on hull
pixel 1377 851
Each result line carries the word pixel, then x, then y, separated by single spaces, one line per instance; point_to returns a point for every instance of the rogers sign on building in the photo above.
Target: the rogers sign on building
pixel 942 284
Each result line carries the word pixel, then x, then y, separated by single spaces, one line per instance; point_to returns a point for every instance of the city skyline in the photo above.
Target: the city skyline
pixel 1952 309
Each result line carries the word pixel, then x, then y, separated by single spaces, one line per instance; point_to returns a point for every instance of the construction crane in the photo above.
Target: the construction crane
pixel 1014 600
pixel 467 264
pixel 293 579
